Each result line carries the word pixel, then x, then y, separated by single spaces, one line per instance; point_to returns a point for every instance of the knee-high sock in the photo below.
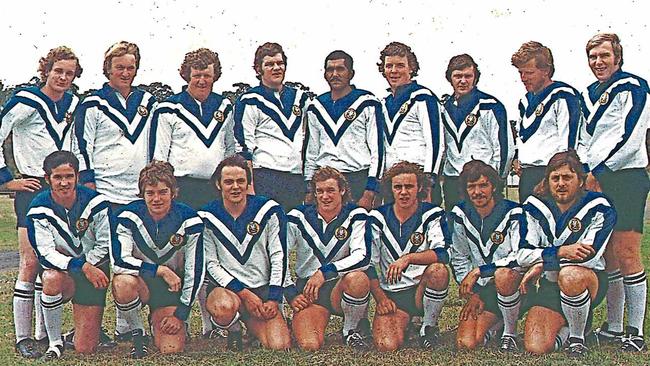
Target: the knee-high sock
pixel 576 310
pixel 23 305
pixel 509 306
pixel 615 301
pixel 354 309
pixel 53 316
pixel 561 337
pixel 432 303
pixel 636 287
pixel 202 298
pixel 39 323
pixel 234 324
pixel 130 313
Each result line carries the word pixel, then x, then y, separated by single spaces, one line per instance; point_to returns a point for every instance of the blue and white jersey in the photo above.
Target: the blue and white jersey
pixel 346 134
pixel 66 239
pixel 192 136
pixel 113 138
pixel 479 243
pixel 249 251
pixel 336 248
pixel 269 127
pixel 589 221
pixel 425 230
pixel 548 123
pixel 614 135
pixel 40 127
pixel 175 241
pixel 476 127
pixel 413 128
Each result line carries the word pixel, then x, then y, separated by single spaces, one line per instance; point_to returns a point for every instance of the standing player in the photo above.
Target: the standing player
pixel 41 121
pixel 70 229
pixel 246 258
pixel 344 131
pixel 332 251
pixel 476 127
pixel 411 250
pixel 269 131
pixel 549 115
pixel 485 230
pixel 158 261
pixel 413 128
pixel 613 148
pixel 567 232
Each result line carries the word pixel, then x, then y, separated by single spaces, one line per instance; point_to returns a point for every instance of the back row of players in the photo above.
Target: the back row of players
pixel 117 129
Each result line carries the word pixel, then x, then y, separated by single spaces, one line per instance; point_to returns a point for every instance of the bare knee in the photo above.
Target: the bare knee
pixel 172 347
pixel 387 343
pixel 310 343
pixel 466 342
pixel 436 276
pixel 573 280
pixel 222 306
pixel 52 282
pixel 279 343
pixel 125 288
pixel 537 346
pixel 506 281
pixel 356 284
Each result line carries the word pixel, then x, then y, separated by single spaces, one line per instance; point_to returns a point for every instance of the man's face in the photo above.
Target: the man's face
pixel 233 184
pixel 602 61
pixel 61 76
pixel 480 192
pixel 272 70
pixel 63 182
pixel 564 185
pixel 338 75
pixel 532 77
pixel 158 199
pixel 397 71
pixel 122 71
pixel 201 81
pixel 405 190
pixel 329 197
pixel 463 81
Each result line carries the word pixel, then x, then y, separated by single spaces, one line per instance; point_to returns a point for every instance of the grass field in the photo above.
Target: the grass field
pixel 212 352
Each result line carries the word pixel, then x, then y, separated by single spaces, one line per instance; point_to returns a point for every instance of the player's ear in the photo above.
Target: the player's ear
pixel 47 179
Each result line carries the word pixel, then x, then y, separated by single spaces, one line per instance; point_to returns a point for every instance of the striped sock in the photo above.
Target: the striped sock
pixel 53 316
pixel 509 306
pixel 432 303
pixel 39 323
pixel 636 287
pixel 576 310
pixel 130 313
pixel 561 338
pixel 354 309
pixel 23 302
pixel 234 324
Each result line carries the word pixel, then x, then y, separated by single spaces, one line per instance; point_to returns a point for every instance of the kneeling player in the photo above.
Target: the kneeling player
pixel 485 229
pixel 410 248
pixel 246 259
pixel 69 227
pixel 570 228
pixel 158 261
pixel 332 250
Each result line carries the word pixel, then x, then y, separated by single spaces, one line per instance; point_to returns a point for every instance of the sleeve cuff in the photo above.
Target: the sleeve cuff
pixel 290 293
pixel 182 312
pixel 329 271
pixel 551 261
pixel 275 293
pixel 487 270
pixel 371 272
pixel 87 176
pixel 76 264
pixel 148 270
pixel 235 285
pixel 442 255
pixel 5 175
pixel 372 184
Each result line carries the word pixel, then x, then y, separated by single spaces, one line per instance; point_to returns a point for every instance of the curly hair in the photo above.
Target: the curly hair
pixel 404 167
pixel 325 173
pixel 534 50
pixel 120 49
pixel 200 59
pixel 57 54
pixel 402 50
pixel 569 158
pixel 612 38
pixel 472 171
pixel 156 172
pixel 235 160
pixel 267 49
pixel 461 62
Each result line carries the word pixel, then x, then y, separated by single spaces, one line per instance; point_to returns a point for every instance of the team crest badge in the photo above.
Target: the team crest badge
pixel 341 233
pixel 218 116
pixel 539 110
pixel 177 240
pixel 604 98
pixel 350 114
pixel 68 117
pixel 575 225
pixel 497 237
pixel 417 239
pixel 296 110
pixel 471 120
pixel 81 225
pixel 404 108
pixel 142 110
pixel 252 228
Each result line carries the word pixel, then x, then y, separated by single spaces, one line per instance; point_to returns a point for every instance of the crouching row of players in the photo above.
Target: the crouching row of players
pixel 161 250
